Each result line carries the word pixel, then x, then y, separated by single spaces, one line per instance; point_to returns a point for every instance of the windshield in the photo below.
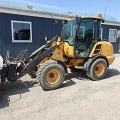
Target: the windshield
pixel 68 31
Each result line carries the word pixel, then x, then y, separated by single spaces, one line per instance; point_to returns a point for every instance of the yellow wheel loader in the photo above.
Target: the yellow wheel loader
pixel 79 46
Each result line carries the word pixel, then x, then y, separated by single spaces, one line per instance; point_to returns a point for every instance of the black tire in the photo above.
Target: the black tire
pixel 51 75
pixel 98 70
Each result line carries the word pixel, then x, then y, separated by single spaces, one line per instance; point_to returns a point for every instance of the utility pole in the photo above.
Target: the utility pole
pixel 105 11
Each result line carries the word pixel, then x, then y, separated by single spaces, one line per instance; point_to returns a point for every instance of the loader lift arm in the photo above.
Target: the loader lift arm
pixel 29 68
pixel 36 57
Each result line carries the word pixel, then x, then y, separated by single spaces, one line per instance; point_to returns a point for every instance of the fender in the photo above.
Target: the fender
pixel 63 64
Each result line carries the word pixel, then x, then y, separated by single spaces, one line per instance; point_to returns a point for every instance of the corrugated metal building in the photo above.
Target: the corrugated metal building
pixel 111 33
pixel 35 21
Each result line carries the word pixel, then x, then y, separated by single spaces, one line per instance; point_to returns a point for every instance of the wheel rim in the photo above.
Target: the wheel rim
pixel 99 69
pixel 53 76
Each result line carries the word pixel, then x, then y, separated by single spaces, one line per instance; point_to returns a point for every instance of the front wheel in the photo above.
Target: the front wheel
pixel 97 70
pixel 51 75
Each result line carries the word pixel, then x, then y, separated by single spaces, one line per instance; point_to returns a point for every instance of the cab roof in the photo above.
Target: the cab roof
pixel 101 18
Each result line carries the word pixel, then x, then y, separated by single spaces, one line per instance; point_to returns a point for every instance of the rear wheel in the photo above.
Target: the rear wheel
pixel 51 75
pixel 97 70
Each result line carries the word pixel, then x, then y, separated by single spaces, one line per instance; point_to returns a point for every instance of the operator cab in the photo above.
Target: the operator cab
pixel 82 33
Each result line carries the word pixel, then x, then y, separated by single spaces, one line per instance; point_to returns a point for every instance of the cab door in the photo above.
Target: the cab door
pixel 84 37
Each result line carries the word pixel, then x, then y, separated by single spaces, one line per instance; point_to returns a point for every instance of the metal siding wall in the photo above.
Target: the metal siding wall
pixel 106 36
pixel 41 27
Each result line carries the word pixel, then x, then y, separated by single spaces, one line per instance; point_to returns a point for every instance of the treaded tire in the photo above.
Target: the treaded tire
pixel 92 71
pixel 43 72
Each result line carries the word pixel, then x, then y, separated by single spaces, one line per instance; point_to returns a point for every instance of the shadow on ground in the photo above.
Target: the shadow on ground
pixel 112 72
pixel 78 74
pixel 81 75
pixel 7 89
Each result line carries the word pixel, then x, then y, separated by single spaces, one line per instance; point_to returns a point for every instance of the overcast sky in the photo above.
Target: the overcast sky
pixel 112 7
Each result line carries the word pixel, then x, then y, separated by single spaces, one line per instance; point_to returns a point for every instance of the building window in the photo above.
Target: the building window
pixel 112 35
pixel 21 31
pixel 118 34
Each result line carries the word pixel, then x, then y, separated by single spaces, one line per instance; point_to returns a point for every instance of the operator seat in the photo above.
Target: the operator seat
pixel 83 47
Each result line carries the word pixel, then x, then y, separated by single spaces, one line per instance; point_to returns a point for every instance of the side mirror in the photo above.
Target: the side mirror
pixel 64 21
pixel 78 19
pixel 103 21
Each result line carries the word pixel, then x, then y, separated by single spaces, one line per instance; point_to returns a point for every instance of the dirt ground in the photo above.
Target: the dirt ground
pixel 77 99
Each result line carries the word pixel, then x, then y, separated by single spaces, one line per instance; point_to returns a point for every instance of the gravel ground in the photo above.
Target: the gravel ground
pixel 77 99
